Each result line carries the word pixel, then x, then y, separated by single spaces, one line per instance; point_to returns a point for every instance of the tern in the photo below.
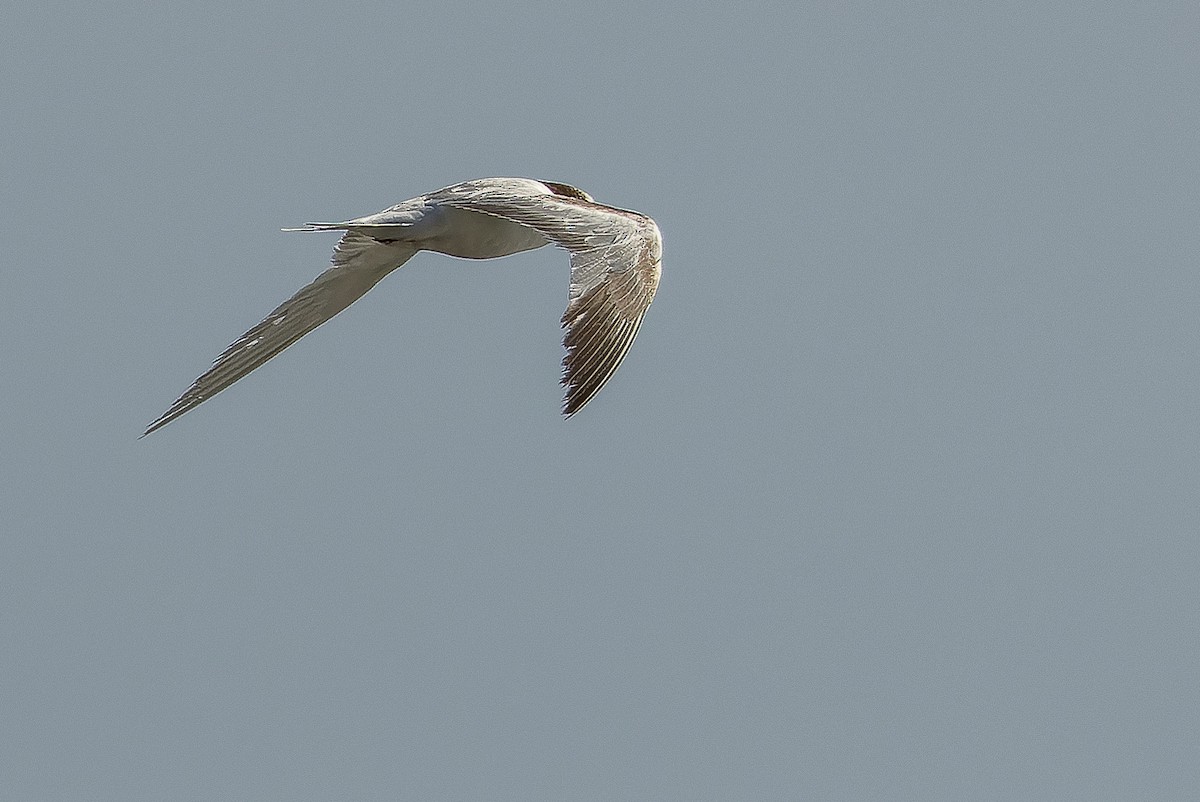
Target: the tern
pixel 615 256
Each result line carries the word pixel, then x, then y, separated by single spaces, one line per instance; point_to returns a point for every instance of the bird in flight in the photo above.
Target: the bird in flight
pixel 615 266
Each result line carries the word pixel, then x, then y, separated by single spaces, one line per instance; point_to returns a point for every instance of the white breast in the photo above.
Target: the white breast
pixel 473 235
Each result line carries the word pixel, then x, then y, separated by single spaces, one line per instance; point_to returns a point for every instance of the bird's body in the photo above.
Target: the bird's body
pixel 615 267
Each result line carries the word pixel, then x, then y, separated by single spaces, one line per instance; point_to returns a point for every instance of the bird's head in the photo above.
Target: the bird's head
pixel 568 191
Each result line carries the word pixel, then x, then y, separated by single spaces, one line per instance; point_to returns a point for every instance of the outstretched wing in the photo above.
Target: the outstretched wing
pixel 616 260
pixel 359 262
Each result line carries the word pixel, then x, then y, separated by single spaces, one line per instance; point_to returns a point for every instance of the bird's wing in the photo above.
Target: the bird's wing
pixel 359 262
pixel 615 268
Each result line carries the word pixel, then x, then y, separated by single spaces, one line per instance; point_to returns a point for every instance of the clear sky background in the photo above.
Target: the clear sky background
pixel 894 497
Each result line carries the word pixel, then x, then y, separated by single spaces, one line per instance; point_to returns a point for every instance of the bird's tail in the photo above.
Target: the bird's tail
pixel 319 227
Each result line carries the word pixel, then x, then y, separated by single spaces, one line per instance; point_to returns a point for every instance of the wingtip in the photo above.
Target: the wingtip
pixel 572 405
pixel 171 414
pixel 153 427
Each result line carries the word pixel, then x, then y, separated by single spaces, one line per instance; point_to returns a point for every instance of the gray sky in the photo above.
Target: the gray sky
pixel 894 497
